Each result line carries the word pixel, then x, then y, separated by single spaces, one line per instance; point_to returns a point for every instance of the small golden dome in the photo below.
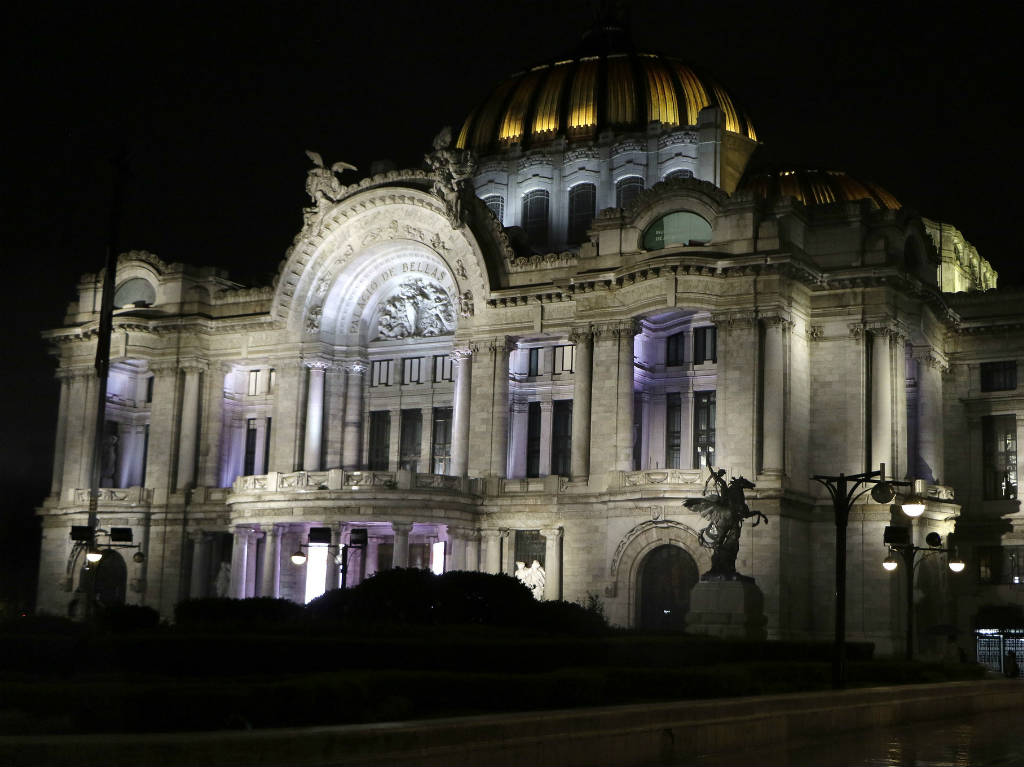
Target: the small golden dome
pixel 580 97
pixel 816 187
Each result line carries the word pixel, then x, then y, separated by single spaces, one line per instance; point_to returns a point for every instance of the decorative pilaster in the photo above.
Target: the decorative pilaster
pixel 623 333
pixel 352 445
pixel 271 585
pixel 881 399
pixel 200 576
pixel 61 435
pixel 239 562
pixel 212 445
pixel 400 555
pixel 491 542
pixel 456 549
pixel 930 459
pixel 313 445
pixel 520 435
pixel 773 405
pixel 552 563
pixel 472 550
pixel 546 408
pixel 188 437
pixel 462 360
pixel 583 338
pixel 500 349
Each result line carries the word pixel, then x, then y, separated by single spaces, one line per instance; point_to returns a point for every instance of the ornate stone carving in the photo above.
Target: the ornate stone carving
pixel 502 344
pixel 324 284
pixel 451 169
pixel 581 335
pixel 466 304
pixel 460 269
pixel 322 184
pixel 815 332
pixel 533 577
pixel 639 530
pixel 313 319
pixel 420 309
pixel 538 261
pixel 357 367
pixel 462 354
pixel 317 364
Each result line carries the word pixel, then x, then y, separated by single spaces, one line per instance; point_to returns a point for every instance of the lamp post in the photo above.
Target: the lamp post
pixel 845 490
pixel 898 540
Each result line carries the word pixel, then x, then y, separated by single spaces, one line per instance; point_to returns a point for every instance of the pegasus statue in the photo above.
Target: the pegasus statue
pixel 725 509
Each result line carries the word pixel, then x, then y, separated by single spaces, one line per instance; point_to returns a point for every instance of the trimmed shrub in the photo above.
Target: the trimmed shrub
pixel 220 614
pixel 121 619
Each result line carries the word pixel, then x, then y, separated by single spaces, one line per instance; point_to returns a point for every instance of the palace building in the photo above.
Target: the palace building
pixel 533 351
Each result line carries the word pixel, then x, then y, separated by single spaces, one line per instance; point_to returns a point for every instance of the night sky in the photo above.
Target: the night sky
pixel 215 103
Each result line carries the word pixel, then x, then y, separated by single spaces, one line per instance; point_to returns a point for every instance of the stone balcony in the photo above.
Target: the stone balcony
pixel 342 480
pixel 110 497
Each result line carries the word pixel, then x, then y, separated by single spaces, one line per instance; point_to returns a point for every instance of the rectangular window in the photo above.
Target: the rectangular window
pixel 380 373
pixel 530 546
pixel 145 454
pixel 380 440
pixel 989 560
pixel 999 456
pixel 272 384
pixel 703 429
pixel 441 443
pixel 565 359
pixel 254 381
pixel 412 370
pixel 266 446
pixel 249 467
pixel 561 437
pixel 673 430
pixel 533 368
pixel 149 389
pixel 705 345
pixel 999 376
pixel 674 345
pixel 411 440
pixel 443 368
pixel 533 440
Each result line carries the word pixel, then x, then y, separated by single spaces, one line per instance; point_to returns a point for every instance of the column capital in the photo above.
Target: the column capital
pixel 462 353
pixel 582 335
pixel 501 344
pixel 194 365
pixel 616 330
pixel 401 528
pixel 356 367
pixel 552 532
pixel 931 357
pixel 198 536
pixel 735 320
pixel 777 321
pixel 888 327
pixel 316 364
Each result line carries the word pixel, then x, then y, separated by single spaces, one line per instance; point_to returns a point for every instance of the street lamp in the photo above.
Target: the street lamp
pixel 845 490
pixel 322 536
pixel 898 541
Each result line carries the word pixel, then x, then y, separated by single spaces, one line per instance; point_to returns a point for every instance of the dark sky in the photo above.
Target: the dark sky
pixel 215 103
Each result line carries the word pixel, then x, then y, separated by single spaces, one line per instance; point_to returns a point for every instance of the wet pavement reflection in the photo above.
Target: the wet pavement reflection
pixel 995 738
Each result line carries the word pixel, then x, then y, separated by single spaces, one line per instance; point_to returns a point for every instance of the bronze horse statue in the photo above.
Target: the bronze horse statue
pixel 725 512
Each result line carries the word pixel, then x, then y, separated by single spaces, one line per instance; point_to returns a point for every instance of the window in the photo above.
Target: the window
pixel 380 373
pixel 145 454
pixel 496 204
pixel 441 446
pixel 535 215
pixel 705 345
pixel 412 368
pixel 266 445
pixel 999 376
pixel 679 228
pixel 149 389
pixel 530 545
pixel 561 437
pixel 703 429
pixel 582 201
pixel 443 368
pixel 380 439
pixel 249 466
pixel 135 290
pixel 272 383
pixel 1000 564
pixel 674 345
pixel 673 430
pixel 533 367
pixel 254 382
pixel 410 440
pixel 999 456
pixel 565 359
pixel 627 190
pixel 680 173
pixel 533 440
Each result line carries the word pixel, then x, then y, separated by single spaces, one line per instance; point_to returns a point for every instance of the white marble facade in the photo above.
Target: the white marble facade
pixel 414 371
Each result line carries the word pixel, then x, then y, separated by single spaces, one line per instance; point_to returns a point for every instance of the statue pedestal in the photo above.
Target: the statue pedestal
pixel 733 609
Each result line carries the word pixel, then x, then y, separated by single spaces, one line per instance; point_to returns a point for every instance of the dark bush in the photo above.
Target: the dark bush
pixel 569 618
pixel 121 619
pixel 494 600
pixel 230 614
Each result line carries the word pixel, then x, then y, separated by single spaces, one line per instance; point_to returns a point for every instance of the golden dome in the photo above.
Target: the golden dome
pixel 580 97
pixel 816 187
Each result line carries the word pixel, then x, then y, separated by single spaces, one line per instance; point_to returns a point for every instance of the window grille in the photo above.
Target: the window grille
pixel 999 376
pixel 254 382
pixel 533 367
pixel 673 430
pixel 703 429
pixel 582 202
pixel 674 346
pixel 535 216
pixel 441 449
pixel 380 440
pixel 410 441
pixel 705 345
pixel 561 438
pixel 496 204
pixel 627 190
pixel 999 456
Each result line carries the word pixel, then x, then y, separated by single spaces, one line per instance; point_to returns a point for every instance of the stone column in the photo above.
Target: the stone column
pixel 271 585
pixel 313 445
pixel 212 445
pixel 546 407
pixel 400 555
pixel 930 445
pixel 74 437
pixel 473 550
pixel 500 349
pixel 456 549
pixel 426 464
pixel 163 414
pixel 657 413
pixel 463 363
pixel 189 435
pixel 881 401
pixel 624 333
pixel 552 563
pixel 394 438
pixel 61 435
pixel 199 582
pixel 352 446
pixel 517 451
pixel 773 402
pixel 332 580
pixel 372 542
pixel 584 340
pixel 239 562
pixel 491 542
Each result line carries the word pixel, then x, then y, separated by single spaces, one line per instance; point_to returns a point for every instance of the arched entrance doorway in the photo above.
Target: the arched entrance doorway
pixel 109 578
pixel 667 575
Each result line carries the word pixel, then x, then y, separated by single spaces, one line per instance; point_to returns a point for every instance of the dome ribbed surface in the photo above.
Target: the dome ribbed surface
pixel 579 98
pixel 816 187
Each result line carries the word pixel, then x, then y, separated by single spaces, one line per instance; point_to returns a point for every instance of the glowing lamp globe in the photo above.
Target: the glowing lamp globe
pixel 913 506
pixel 890 563
pixel 956 565
pixel 299 557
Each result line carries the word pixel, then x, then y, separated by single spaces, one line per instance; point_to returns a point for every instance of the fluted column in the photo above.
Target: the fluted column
pixel 189 434
pixel 491 542
pixel 581 393
pixel 352 446
pixel 517 450
pixel 552 563
pixel 463 363
pixel 271 585
pixel 500 349
pixel 239 562
pixel 200 577
pixel 61 435
pixel 881 400
pixel 313 445
pixel 624 333
pixel 773 405
pixel 400 555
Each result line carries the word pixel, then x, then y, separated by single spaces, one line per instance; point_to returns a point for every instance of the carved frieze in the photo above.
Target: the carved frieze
pixel 418 309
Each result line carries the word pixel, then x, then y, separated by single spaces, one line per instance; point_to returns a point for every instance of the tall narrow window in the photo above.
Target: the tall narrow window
pixel 412 370
pixel 441 445
pixel 443 368
pixel 533 366
pixel 705 345
pixel 535 216
pixel 561 437
pixel 628 189
pixel 674 345
pixel 411 440
pixel 703 429
pixel 266 446
pixel 673 430
pixel 380 440
pixel 249 466
pixel 533 440
pixel 149 389
pixel 380 373
pixel 999 456
pixel 272 382
pixel 496 204
pixel 565 359
pixel 582 201
pixel 254 378
pixel 145 454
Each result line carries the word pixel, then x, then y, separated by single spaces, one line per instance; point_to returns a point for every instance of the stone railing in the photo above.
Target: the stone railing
pixel 550 484
pixel 676 477
pixel 342 479
pixel 113 496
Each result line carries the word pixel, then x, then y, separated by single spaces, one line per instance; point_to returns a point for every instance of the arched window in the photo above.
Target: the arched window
pixel 535 215
pixel 496 204
pixel 679 173
pixel 627 189
pixel 135 289
pixel 582 201
pixel 679 228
